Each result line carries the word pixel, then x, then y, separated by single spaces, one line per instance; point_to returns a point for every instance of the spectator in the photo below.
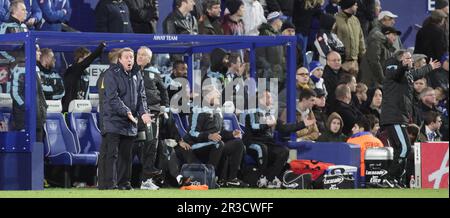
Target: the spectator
pixel 427 103
pixel 253 17
pixel 429 132
pixel 287 29
pixel 439 77
pixel 144 15
pixel 76 78
pixel 386 19
pixel 180 21
pixel 319 109
pixel 374 124
pixel 270 60
pixel 303 82
pixel 4 10
pixel 379 49
pixel 361 94
pixel 373 103
pixel 260 125
pixel 442 107
pixel 420 60
pixel 283 6
pixel 209 23
pixel 55 13
pixel 331 73
pixel 350 81
pixel 15 24
pixel 333 7
pixel 112 16
pixel 316 73
pixel 348 29
pixel 364 138
pixel 52 82
pixel 333 133
pixel 218 69
pixel 307 13
pixel 179 70
pixel 366 15
pixel 349 113
pixel 232 23
pixel 413 132
pixel 430 39
pixel 304 112
pixel 34 17
pixel 124 100
pixel 326 41
pixel 442 6
pixel 396 110
pixel 207 135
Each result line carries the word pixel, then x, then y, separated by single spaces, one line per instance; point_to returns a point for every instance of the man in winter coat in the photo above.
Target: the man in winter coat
pixel 396 110
pixel 379 49
pixel 124 100
pixel 54 13
pixel 144 15
pixel 180 21
pixel 112 16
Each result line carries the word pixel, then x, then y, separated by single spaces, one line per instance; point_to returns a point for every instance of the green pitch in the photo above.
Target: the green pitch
pixel 229 193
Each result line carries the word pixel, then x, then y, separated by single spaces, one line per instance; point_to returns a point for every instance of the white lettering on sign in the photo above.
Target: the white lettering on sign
pixel 94 72
pixel 437 175
pixel 431 5
pixel 165 37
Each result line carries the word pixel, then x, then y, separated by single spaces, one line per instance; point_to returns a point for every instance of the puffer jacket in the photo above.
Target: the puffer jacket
pixel 398 90
pixel 349 31
pixel 155 90
pixel 176 23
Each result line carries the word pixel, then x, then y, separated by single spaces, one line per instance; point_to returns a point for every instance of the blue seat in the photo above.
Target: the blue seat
pixel 84 128
pixel 179 124
pixel 61 147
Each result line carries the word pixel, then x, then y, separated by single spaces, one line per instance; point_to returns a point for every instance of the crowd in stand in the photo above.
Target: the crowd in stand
pixel 361 85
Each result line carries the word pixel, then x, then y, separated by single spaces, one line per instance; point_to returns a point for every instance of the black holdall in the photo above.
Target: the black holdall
pixel 200 174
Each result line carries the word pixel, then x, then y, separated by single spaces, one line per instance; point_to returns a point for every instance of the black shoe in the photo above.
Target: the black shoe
pixel 221 183
pixel 236 183
pixel 185 181
pixel 126 187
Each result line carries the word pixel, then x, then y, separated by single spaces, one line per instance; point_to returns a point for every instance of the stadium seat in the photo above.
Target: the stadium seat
pixel 60 144
pixel 179 124
pixel 84 127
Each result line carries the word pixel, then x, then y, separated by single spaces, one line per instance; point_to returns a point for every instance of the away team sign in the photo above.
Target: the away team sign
pixel 431 160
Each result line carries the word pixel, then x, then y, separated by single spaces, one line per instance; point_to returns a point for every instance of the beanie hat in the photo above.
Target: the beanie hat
pixel 287 25
pixel 314 65
pixel 347 4
pixel 273 16
pixel 234 5
pixel 439 4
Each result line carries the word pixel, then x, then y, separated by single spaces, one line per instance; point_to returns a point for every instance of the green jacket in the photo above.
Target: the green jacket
pixel 349 31
pixel 372 64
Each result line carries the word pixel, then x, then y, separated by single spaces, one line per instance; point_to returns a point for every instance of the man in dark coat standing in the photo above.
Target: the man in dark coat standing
pixel 112 16
pixel 396 110
pixel 430 40
pixel 124 100
pixel 144 15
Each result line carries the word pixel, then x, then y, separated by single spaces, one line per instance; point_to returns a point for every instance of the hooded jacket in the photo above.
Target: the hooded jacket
pixel 329 136
pixel 349 31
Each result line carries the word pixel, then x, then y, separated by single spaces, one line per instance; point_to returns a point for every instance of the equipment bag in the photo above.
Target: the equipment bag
pixel 200 174
pixel 292 180
pixel 316 168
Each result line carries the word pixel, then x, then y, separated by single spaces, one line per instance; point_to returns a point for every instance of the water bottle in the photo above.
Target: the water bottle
pixel 412 182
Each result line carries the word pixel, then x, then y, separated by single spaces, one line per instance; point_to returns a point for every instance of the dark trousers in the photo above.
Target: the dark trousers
pixel 115 161
pixel 233 152
pixel 210 154
pixel 399 141
pixel 271 158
